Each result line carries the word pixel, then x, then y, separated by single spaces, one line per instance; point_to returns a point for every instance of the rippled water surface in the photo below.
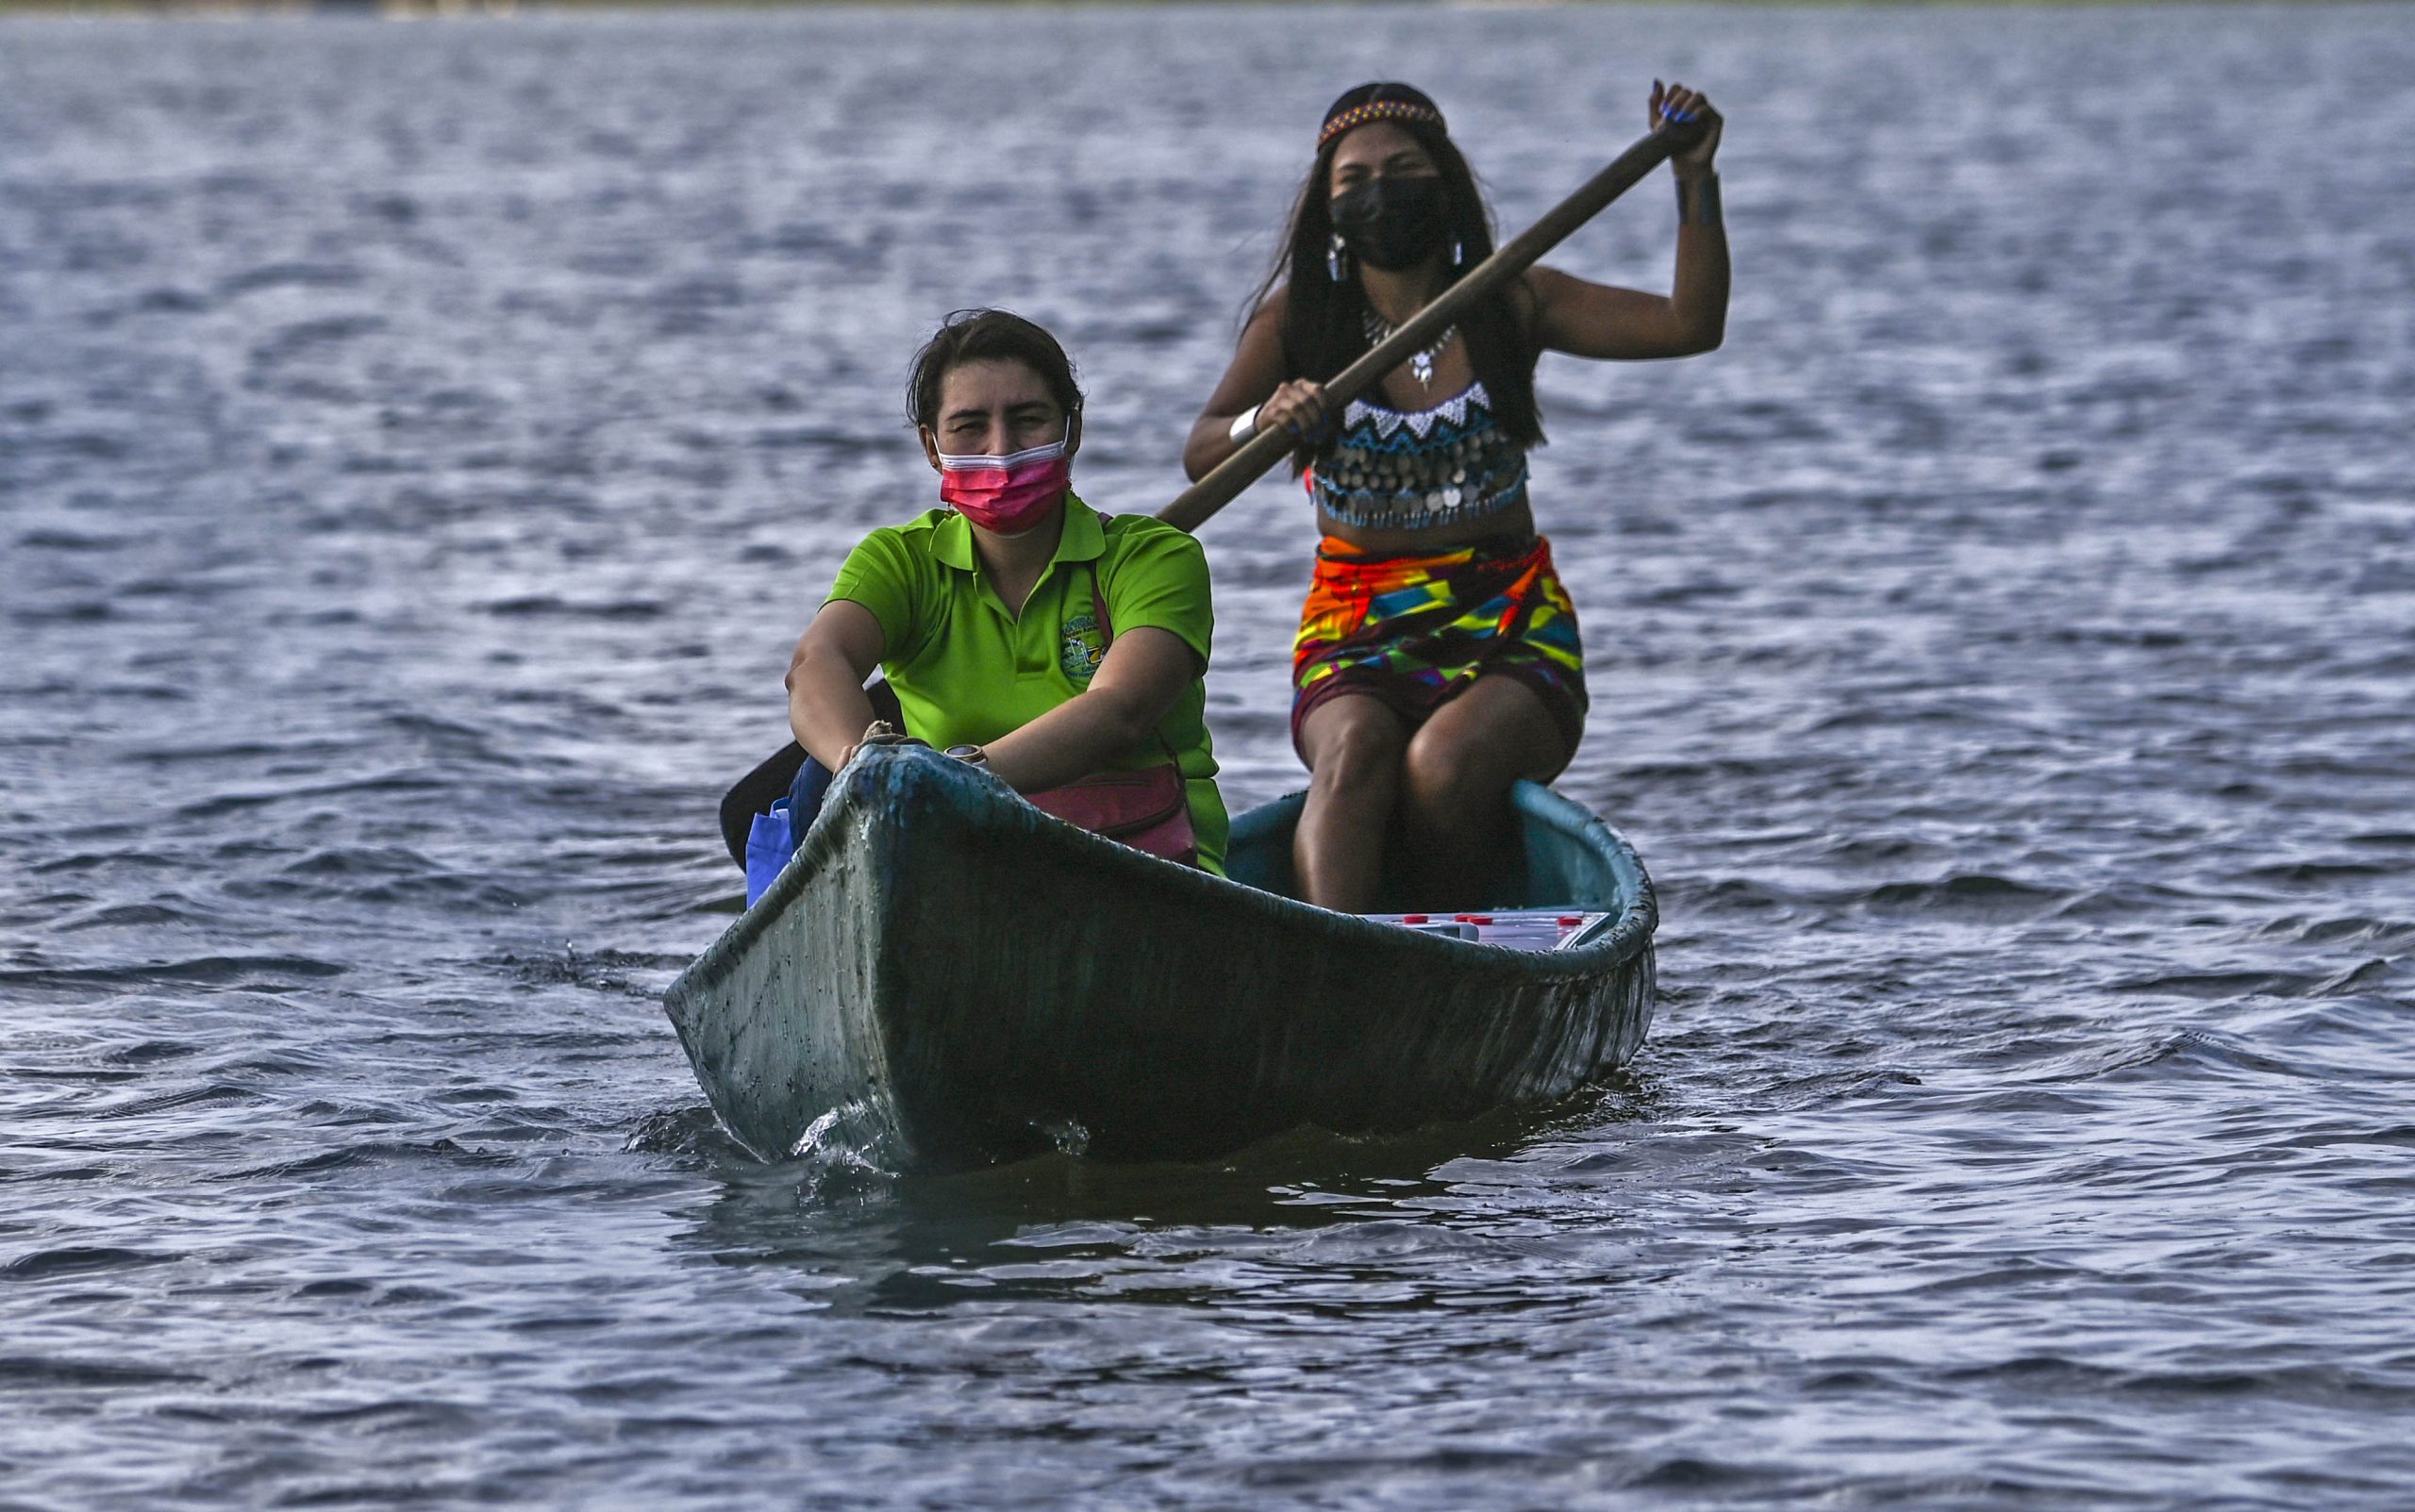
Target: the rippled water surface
pixel 418 446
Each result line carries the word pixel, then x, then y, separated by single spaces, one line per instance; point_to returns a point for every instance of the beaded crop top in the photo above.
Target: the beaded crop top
pixel 1416 469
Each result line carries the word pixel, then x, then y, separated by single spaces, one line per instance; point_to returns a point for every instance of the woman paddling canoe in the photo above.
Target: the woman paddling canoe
pixel 1018 628
pixel 1438 660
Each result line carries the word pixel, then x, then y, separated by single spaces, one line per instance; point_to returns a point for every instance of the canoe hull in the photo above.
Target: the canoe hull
pixel 945 977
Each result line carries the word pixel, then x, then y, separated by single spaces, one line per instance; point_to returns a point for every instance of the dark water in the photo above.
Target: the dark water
pixel 419 445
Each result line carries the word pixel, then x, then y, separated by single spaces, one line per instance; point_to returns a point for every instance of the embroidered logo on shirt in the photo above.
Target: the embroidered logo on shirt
pixel 1082 648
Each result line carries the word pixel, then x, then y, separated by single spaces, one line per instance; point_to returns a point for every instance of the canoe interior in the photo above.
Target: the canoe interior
pixel 1566 859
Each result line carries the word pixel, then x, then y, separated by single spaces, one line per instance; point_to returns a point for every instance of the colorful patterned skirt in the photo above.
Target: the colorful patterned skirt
pixel 1418 631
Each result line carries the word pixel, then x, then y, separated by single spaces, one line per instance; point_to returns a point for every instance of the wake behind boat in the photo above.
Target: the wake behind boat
pixel 944 977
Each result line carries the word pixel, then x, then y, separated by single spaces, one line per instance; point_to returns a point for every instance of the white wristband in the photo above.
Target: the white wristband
pixel 1244 424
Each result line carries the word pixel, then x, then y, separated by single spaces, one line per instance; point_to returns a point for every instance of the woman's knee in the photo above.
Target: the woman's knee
pixel 1356 748
pixel 1474 749
pixel 1452 787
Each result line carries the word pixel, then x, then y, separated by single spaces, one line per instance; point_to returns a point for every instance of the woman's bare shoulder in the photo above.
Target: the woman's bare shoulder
pixel 1268 313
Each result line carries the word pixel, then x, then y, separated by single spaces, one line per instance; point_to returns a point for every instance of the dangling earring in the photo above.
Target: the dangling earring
pixel 1333 258
pixel 1458 257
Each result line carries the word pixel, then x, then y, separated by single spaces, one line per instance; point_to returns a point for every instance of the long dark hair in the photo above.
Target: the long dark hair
pixel 1322 320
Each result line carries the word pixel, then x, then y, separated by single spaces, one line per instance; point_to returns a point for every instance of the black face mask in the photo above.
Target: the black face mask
pixel 1392 223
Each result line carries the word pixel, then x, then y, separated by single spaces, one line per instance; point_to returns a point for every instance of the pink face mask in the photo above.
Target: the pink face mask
pixel 1006 494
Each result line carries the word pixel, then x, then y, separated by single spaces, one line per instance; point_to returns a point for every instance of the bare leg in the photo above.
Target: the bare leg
pixel 1455 780
pixel 1353 744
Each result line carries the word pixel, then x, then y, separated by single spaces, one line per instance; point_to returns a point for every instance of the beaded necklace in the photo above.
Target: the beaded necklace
pixel 1421 364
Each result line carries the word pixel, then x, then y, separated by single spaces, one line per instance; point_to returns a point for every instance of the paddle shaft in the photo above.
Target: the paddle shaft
pixel 1270 446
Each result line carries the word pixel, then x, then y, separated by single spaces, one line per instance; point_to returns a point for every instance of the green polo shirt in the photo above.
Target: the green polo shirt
pixel 967 671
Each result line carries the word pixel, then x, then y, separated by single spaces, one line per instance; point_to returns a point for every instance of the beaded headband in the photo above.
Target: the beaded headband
pixel 1359 115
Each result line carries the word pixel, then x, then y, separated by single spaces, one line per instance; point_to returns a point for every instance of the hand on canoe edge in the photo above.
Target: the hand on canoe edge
pixel 879 732
pixel 1675 104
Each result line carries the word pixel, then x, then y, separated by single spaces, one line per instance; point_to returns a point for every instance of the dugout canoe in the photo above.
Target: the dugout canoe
pixel 945 977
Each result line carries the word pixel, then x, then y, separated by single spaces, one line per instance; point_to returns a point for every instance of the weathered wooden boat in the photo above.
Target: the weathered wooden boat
pixel 945 977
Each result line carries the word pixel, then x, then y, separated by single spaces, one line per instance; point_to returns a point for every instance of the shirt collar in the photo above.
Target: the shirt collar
pixel 1083 539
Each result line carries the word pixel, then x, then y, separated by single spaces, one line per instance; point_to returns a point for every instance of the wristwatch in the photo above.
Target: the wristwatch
pixel 969 755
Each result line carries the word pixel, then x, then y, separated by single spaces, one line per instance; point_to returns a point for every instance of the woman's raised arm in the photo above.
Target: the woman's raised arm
pixel 1600 321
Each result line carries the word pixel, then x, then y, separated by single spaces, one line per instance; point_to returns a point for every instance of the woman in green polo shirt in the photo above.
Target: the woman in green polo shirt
pixel 985 613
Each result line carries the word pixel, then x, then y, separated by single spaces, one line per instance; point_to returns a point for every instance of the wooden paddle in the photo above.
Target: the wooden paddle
pixel 1268 448
pixel 755 791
